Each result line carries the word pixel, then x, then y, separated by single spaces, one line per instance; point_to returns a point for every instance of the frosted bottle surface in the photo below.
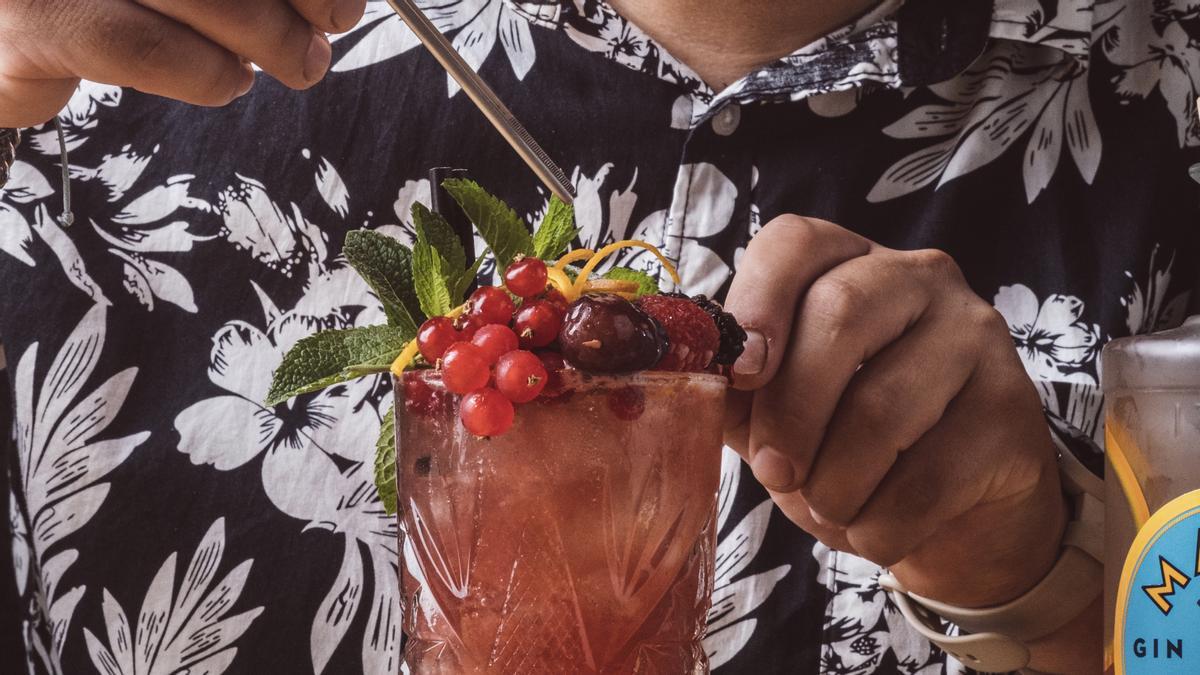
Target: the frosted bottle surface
pixel 579 541
pixel 1152 426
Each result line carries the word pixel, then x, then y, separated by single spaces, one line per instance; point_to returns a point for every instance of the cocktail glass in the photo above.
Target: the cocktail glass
pixel 580 541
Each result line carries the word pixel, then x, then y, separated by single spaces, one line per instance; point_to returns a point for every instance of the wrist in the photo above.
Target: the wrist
pixel 1005 548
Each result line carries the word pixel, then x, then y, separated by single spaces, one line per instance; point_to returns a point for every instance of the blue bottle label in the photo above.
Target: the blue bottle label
pixel 1158 601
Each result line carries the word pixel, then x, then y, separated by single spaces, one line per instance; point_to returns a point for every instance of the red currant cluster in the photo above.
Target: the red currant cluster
pixel 490 363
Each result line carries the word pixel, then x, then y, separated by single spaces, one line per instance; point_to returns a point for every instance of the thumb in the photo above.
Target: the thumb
pixel 780 263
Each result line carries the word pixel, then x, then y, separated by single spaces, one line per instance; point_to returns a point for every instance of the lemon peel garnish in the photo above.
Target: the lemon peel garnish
pixel 559 280
pixel 610 286
pixel 573 256
pixel 603 253
pixel 405 359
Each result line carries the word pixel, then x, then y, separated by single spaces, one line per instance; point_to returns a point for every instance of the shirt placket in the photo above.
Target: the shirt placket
pixel 711 200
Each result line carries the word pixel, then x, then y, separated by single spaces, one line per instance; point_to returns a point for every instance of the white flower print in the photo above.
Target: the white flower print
pixel 330 185
pixel 862 624
pixel 701 206
pixel 1148 306
pixel 479 23
pixel 25 185
pixel 77 117
pixel 185 629
pixel 1151 45
pixel 733 599
pixel 1053 342
pixel 1059 352
pixel 280 237
pixel 62 464
pixel 1013 92
pixel 317 453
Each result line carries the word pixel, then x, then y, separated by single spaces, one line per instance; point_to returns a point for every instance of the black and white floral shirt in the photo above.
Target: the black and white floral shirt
pixel 164 521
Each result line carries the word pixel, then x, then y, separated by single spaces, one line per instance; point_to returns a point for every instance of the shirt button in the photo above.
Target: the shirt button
pixel 725 122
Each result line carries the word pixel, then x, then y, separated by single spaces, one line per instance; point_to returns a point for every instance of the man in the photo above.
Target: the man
pixel 1041 147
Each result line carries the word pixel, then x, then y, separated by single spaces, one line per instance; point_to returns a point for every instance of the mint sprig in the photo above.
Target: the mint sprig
pixel 385 462
pixel 499 225
pixel 647 285
pixel 386 265
pixel 556 230
pixel 433 277
pixel 333 356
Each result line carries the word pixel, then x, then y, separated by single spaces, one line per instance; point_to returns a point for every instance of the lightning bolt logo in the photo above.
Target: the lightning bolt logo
pixel 1172 580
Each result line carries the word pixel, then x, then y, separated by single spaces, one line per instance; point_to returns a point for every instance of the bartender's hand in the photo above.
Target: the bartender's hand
pixel 195 51
pixel 885 408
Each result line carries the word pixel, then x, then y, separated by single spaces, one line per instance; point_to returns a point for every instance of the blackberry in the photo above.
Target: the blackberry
pixel 733 337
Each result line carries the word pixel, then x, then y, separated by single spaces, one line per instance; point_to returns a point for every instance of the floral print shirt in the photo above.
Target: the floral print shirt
pixel 163 519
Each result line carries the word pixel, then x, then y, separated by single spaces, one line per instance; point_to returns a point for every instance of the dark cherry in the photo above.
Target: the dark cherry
pixel 606 333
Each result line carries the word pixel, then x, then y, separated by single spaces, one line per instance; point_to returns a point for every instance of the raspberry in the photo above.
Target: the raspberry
pixel 692 334
pixel 733 337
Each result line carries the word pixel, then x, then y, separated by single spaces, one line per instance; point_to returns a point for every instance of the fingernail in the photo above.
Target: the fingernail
pixel 772 468
pixel 344 15
pixel 247 82
pixel 754 356
pixel 316 61
pixel 818 518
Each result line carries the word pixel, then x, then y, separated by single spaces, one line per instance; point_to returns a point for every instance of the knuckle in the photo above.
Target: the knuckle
pixel 148 46
pixel 872 408
pixel 837 302
pixel 936 263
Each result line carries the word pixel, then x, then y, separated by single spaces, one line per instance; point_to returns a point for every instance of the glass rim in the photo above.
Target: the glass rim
pixel 576 379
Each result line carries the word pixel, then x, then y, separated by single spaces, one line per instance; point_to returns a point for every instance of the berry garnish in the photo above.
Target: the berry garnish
pixel 467 325
pixel 486 412
pixel 556 298
pixel 537 323
pixel 607 334
pixel 733 337
pixel 420 399
pixel 491 305
pixel 693 334
pixel 495 340
pixel 520 376
pixel 526 277
pixel 627 403
pixel 464 368
pixel 435 336
pixel 556 388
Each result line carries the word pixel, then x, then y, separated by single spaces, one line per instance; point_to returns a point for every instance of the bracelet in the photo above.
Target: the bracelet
pixel 996 638
pixel 9 140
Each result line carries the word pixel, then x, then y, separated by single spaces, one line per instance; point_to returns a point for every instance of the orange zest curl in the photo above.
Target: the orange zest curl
pixel 603 253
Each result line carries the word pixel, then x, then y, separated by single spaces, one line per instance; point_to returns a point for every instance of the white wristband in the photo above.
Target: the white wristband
pixel 995 639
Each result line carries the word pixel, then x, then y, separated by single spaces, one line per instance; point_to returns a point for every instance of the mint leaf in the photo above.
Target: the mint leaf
pixel 646 283
pixel 499 225
pixel 432 277
pixel 334 356
pixel 385 462
pixel 386 265
pixel 556 230
pixel 441 235
pixel 460 289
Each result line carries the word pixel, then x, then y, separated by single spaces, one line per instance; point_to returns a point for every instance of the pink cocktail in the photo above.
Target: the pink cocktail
pixel 580 541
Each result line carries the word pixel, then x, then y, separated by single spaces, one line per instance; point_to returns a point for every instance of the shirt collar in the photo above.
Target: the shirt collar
pixel 896 43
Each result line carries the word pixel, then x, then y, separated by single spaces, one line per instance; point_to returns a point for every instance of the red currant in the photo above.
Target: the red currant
pixel 464 368
pixel 537 323
pixel 526 277
pixel 556 298
pixel 492 305
pixel 495 341
pixel 467 326
pixel 485 412
pixel 554 364
pixel 520 376
pixel 435 336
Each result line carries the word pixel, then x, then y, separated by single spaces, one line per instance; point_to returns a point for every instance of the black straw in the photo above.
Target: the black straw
pixel 445 206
